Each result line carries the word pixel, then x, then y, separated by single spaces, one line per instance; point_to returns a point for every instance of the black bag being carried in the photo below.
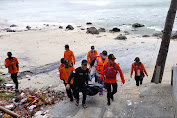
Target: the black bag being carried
pixel 93 89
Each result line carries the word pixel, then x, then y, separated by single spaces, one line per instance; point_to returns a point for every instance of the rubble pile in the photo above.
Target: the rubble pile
pixel 28 102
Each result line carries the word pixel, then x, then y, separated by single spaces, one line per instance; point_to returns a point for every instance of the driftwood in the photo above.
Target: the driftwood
pixel 9 112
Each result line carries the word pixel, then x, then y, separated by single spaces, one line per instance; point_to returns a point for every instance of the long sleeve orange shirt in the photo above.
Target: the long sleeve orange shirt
pixel 112 80
pixel 133 68
pixel 70 56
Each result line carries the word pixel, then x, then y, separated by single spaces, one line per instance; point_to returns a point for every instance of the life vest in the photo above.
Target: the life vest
pixel 138 69
pixel 100 64
pixel 93 55
pixel 110 72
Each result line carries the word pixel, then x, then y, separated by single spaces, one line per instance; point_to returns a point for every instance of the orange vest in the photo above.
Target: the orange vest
pixel 100 63
pixel 91 56
pixel 65 73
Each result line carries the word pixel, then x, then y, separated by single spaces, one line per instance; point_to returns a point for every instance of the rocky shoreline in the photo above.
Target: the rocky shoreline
pixel 88 27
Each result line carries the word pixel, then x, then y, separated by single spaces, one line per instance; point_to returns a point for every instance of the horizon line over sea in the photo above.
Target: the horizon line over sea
pixel 107 13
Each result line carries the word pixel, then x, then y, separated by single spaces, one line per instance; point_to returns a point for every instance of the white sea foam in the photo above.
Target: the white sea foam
pixel 91 2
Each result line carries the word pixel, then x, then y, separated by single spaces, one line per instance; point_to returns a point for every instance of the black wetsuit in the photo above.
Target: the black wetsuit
pixel 81 78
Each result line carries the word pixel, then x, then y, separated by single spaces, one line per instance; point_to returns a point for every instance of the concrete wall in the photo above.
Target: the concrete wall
pixel 174 83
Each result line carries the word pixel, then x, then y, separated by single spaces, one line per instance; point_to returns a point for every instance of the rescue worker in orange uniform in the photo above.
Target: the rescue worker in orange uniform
pixel 69 55
pixel 111 68
pixel 60 66
pixel 65 72
pixel 12 64
pixel 99 62
pixel 62 63
pixel 91 55
pixel 139 69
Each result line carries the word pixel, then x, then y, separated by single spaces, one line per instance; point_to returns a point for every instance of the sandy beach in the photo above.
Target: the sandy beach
pixel 43 47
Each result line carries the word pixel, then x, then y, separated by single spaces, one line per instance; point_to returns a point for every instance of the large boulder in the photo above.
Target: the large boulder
pixel 101 30
pixel 9 30
pixel 145 36
pixel 159 34
pixel 174 36
pixel 28 27
pixel 13 25
pixel 115 30
pixel 136 25
pixel 88 23
pixel 121 37
pixel 69 27
pixel 60 27
pixel 92 30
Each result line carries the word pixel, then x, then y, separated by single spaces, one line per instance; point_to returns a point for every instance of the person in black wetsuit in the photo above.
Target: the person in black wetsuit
pixel 81 77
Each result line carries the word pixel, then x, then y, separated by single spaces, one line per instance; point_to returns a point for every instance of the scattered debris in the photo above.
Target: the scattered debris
pixel 28 102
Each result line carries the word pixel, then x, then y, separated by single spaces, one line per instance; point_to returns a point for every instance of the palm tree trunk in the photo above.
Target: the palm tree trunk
pixel 161 59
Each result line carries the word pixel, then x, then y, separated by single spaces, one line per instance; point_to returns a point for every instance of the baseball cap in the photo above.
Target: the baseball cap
pixel 137 59
pixel 84 61
pixel 104 53
pixel 111 57
pixel 66 61
pixel 9 53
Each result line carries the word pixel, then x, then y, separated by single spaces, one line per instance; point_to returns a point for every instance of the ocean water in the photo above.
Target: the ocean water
pixel 103 13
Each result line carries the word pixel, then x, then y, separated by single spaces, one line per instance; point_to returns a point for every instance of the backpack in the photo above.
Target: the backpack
pixel 93 56
pixel 110 72
pixel 138 69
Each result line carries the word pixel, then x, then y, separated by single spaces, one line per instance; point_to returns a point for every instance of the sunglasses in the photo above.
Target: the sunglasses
pixel 84 64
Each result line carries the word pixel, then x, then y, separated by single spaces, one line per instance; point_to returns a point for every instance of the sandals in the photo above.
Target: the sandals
pixel 84 105
pixel 77 103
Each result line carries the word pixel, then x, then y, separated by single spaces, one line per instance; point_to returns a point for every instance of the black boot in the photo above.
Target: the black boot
pixel 112 97
pixel 108 103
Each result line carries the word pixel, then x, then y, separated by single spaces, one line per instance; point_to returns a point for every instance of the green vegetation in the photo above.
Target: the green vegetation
pixel 6 95
pixel 2 81
pixel 1 73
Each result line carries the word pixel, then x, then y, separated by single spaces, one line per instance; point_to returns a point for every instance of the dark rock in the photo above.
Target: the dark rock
pixel 28 27
pixel 136 25
pixel 174 36
pixel 115 30
pixel 101 30
pixel 60 27
pixel 158 34
pixel 126 32
pixel 69 27
pixel 47 25
pixel 145 36
pixel 121 37
pixel 9 30
pixel 82 29
pixel 92 30
pixel 88 23
pixel 13 25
